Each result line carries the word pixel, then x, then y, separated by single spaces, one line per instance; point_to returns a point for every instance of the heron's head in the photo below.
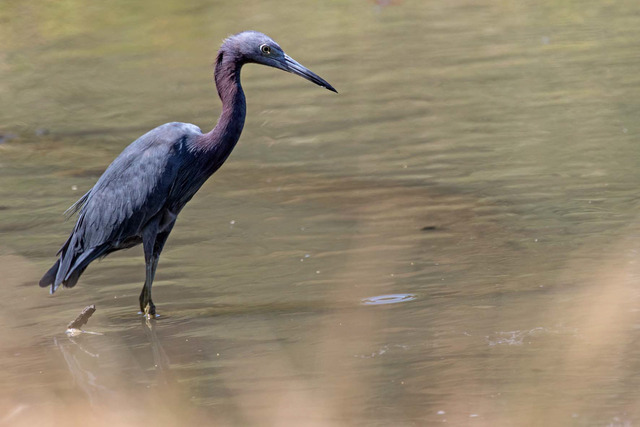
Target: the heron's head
pixel 252 46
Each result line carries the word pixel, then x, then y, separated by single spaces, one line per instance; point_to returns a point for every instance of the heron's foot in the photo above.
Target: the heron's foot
pixel 149 310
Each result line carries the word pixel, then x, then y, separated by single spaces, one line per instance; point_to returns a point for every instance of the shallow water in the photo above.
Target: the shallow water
pixel 481 158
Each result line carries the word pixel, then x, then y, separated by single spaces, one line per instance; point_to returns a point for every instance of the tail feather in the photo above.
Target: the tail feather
pixel 68 269
pixel 72 279
pixel 68 255
pixel 49 277
pixel 81 264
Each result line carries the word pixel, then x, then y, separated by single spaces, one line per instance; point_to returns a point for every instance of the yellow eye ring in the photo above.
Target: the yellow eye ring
pixel 266 49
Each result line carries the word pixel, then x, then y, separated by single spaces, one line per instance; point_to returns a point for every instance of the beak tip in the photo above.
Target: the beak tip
pixel 290 65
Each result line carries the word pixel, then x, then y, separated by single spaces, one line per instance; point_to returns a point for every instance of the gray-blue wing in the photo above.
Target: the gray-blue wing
pixel 132 190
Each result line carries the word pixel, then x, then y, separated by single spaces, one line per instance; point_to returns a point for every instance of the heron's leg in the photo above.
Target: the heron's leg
pixel 153 245
pixel 151 261
pixel 146 304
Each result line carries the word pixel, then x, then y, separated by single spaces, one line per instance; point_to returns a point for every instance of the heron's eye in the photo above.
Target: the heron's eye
pixel 266 49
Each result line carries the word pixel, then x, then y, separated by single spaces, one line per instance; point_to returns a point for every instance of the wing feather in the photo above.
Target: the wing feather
pixel 134 188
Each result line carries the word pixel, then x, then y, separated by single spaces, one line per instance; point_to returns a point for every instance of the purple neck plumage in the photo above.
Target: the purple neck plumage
pixel 224 136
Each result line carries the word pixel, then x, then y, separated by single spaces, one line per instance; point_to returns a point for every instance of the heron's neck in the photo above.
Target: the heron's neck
pixel 224 136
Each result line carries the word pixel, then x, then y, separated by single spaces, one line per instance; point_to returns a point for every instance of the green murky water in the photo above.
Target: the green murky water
pixel 481 157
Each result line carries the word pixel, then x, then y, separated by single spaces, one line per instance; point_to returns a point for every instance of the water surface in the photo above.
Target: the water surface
pixel 481 156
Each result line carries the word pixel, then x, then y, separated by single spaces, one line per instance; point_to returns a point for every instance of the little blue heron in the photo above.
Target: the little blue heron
pixel 138 198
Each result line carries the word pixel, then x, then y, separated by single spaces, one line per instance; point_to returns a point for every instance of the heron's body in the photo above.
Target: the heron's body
pixel 140 195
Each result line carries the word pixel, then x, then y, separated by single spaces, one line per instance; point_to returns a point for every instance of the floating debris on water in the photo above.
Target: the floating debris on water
pixel 73 328
pixel 83 317
pixel 388 299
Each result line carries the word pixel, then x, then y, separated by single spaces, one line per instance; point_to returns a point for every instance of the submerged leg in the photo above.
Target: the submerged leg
pixel 153 244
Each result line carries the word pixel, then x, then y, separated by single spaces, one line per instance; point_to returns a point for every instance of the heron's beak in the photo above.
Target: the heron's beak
pixel 293 66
